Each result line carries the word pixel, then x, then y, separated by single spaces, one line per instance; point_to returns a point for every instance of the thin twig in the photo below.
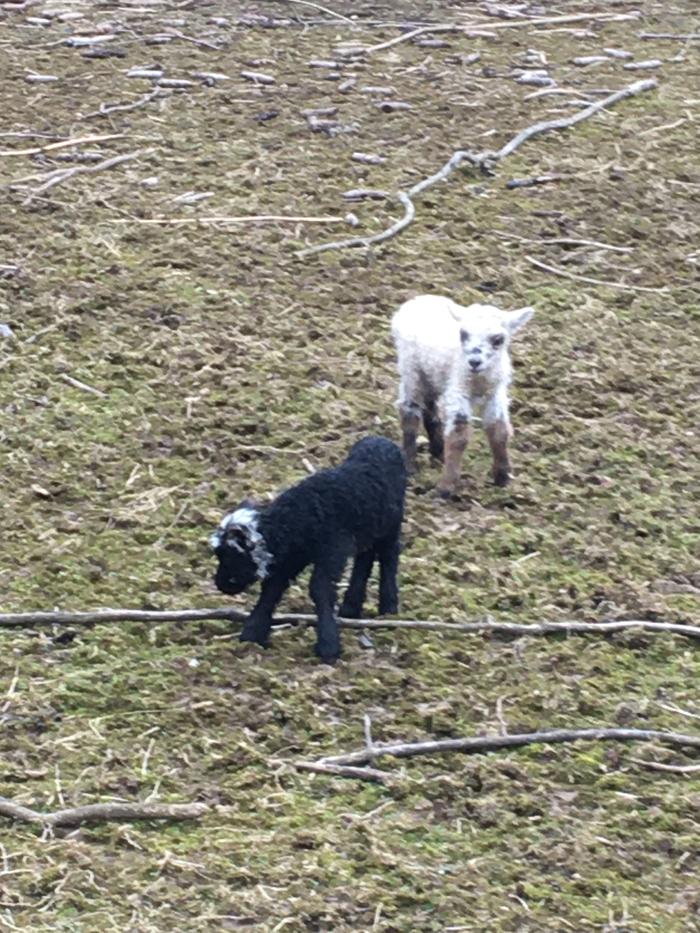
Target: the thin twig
pixel 488 24
pixel 76 141
pixel 364 774
pixel 58 177
pixel 176 34
pixel 555 270
pixel 106 109
pixel 672 708
pixel 367 723
pixel 95 812
pixel 77 384
pixel 512 629
pixel 410 213
pixel 485 161
pixel 324 9
pixel 252 218
pixel 561 240
pixel 660 766
pixel 489 743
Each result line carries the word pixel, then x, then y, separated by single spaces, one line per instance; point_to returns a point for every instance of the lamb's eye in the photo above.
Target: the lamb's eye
pixel 464 336
pixel 497 341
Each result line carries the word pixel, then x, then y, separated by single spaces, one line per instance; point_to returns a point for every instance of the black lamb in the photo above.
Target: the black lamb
pixel 355 508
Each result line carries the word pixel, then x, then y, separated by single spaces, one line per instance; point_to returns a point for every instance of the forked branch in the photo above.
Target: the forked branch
pixel 481 160
pixel 490 743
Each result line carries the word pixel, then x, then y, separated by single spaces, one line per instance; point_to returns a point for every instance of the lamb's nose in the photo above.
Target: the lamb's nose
pixel 475 364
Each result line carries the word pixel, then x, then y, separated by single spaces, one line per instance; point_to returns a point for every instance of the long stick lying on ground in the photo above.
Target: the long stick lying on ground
pixel 488 25
pixel 490 743
pixel 482 160
pixel 101 812
pixel 513 629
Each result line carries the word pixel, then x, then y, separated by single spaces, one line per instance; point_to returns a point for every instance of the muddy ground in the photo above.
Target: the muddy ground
pixel 152 374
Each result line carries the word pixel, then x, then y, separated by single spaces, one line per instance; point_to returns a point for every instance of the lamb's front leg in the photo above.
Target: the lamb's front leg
pixel 258 624
pixel 499 432
pixel 457 430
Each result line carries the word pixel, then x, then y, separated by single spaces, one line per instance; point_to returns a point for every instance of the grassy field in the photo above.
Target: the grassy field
pixel 155 373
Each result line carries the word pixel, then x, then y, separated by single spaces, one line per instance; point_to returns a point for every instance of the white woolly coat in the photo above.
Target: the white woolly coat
pixel 433 366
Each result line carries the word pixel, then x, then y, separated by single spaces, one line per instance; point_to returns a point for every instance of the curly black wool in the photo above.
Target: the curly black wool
pixel 355 508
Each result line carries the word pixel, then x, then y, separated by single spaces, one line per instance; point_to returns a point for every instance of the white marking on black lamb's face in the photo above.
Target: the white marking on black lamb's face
pixel 239 532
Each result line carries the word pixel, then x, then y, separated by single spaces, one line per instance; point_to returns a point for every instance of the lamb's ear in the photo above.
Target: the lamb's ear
pixel 514 320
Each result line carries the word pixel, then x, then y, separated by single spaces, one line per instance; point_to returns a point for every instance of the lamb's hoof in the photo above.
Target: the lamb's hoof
pixel 327 654
pixel 252 637
pixel 502 478
pixel 445 494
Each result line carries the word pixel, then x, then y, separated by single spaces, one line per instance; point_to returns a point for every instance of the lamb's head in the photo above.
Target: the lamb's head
pixel 485 333
pixel 241 550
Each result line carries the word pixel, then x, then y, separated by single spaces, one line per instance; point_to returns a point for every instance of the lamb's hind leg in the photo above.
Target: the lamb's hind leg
pixel 410 412
pixel 387 552
pixel 433 428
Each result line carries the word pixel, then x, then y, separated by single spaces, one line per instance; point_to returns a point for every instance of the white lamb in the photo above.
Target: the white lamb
pixel 454 363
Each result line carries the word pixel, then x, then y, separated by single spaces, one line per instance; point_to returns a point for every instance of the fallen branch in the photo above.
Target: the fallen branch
pixel 103 812
pixel 484 161
pixel 512 629
pixel 252 218
pixel 639 87
pixel 410 213
pixel 490 743
pixel 555 270
pixel 488 24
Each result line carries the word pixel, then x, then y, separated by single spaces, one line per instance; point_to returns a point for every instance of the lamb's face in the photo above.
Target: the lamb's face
pixel 240 550
pixel 485 333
